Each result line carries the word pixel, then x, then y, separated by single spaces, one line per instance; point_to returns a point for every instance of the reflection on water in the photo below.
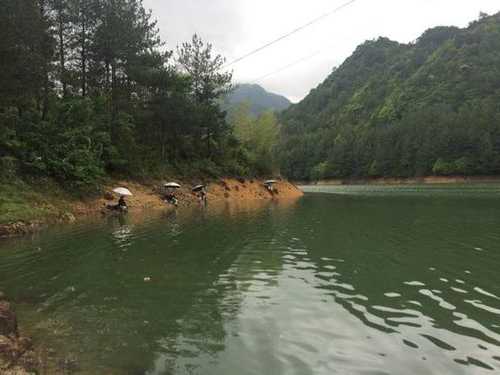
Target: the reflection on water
pixel 361 283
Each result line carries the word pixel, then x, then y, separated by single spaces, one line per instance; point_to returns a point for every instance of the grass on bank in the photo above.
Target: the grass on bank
pixel 21 201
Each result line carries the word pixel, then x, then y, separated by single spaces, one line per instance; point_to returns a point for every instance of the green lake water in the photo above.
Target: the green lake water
pixel 346 280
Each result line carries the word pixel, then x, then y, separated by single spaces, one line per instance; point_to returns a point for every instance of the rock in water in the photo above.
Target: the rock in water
pixel 8 321
pixel 16 353
pixel 67 217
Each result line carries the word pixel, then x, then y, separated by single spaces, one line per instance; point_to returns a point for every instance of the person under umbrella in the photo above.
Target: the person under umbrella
pixel 170 197
pixel 269 184
pixel 122 204
pixel 201 193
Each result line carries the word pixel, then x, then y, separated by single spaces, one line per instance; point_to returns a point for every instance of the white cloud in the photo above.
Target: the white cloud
pixel 236 27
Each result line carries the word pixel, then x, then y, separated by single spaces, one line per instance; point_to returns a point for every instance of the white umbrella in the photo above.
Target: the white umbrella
pixel 122 191
pixel 172 185
pixel 270 182
pixel 198 188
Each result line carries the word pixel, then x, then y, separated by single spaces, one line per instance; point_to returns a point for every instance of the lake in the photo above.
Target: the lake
pixel 346 280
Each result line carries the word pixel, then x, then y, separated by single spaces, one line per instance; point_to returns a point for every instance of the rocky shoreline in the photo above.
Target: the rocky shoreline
pixel 17 356
pixel 19 228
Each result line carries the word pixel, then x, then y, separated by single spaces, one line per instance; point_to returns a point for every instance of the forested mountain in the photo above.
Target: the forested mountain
pixel 87 88
pixel 429 107
pixel 257 97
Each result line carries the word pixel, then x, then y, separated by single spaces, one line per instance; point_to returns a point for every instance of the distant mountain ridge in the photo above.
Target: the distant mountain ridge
pixel 257 97
pixel 401 110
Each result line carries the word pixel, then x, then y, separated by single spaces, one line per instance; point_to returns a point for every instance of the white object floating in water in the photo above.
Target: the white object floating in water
pixel 392 295
pixel 485 293
pixel 414 283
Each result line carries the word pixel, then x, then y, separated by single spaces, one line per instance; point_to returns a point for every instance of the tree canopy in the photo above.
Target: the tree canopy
pixel 89 89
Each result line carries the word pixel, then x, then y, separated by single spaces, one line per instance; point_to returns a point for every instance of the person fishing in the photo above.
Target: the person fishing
pixel 269 185
pixel 120 206
pixel 121 203
pixel 201 192
pixel 171 198
pixel 170 194
pixel 203 197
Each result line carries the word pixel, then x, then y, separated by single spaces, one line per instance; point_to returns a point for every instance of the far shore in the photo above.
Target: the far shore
pixel 148 196
pixel 427 180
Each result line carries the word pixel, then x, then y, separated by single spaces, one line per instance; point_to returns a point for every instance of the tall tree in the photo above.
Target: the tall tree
pixel 25 47
pixel 208 84
pixel 62 29
pixel 84 19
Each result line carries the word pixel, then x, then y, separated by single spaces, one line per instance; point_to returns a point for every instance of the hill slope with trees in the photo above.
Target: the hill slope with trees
pixel 402 110
pixel 258 99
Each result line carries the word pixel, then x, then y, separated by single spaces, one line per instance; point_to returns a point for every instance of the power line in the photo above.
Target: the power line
pixel 293 63
pixel 317 19
pixel 287 66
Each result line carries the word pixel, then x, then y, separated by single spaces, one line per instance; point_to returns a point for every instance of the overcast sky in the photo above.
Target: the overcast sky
pixel 236 27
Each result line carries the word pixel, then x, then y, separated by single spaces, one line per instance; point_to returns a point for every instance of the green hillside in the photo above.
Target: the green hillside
pixel 401 110
pixel 258 99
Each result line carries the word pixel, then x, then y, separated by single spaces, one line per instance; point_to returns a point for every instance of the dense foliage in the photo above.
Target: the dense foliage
pixel 87 89
pixel 258 137
pixel 430 107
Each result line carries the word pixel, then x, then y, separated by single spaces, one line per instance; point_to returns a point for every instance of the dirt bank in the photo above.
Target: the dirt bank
pixel 148 196
pixel 409 181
